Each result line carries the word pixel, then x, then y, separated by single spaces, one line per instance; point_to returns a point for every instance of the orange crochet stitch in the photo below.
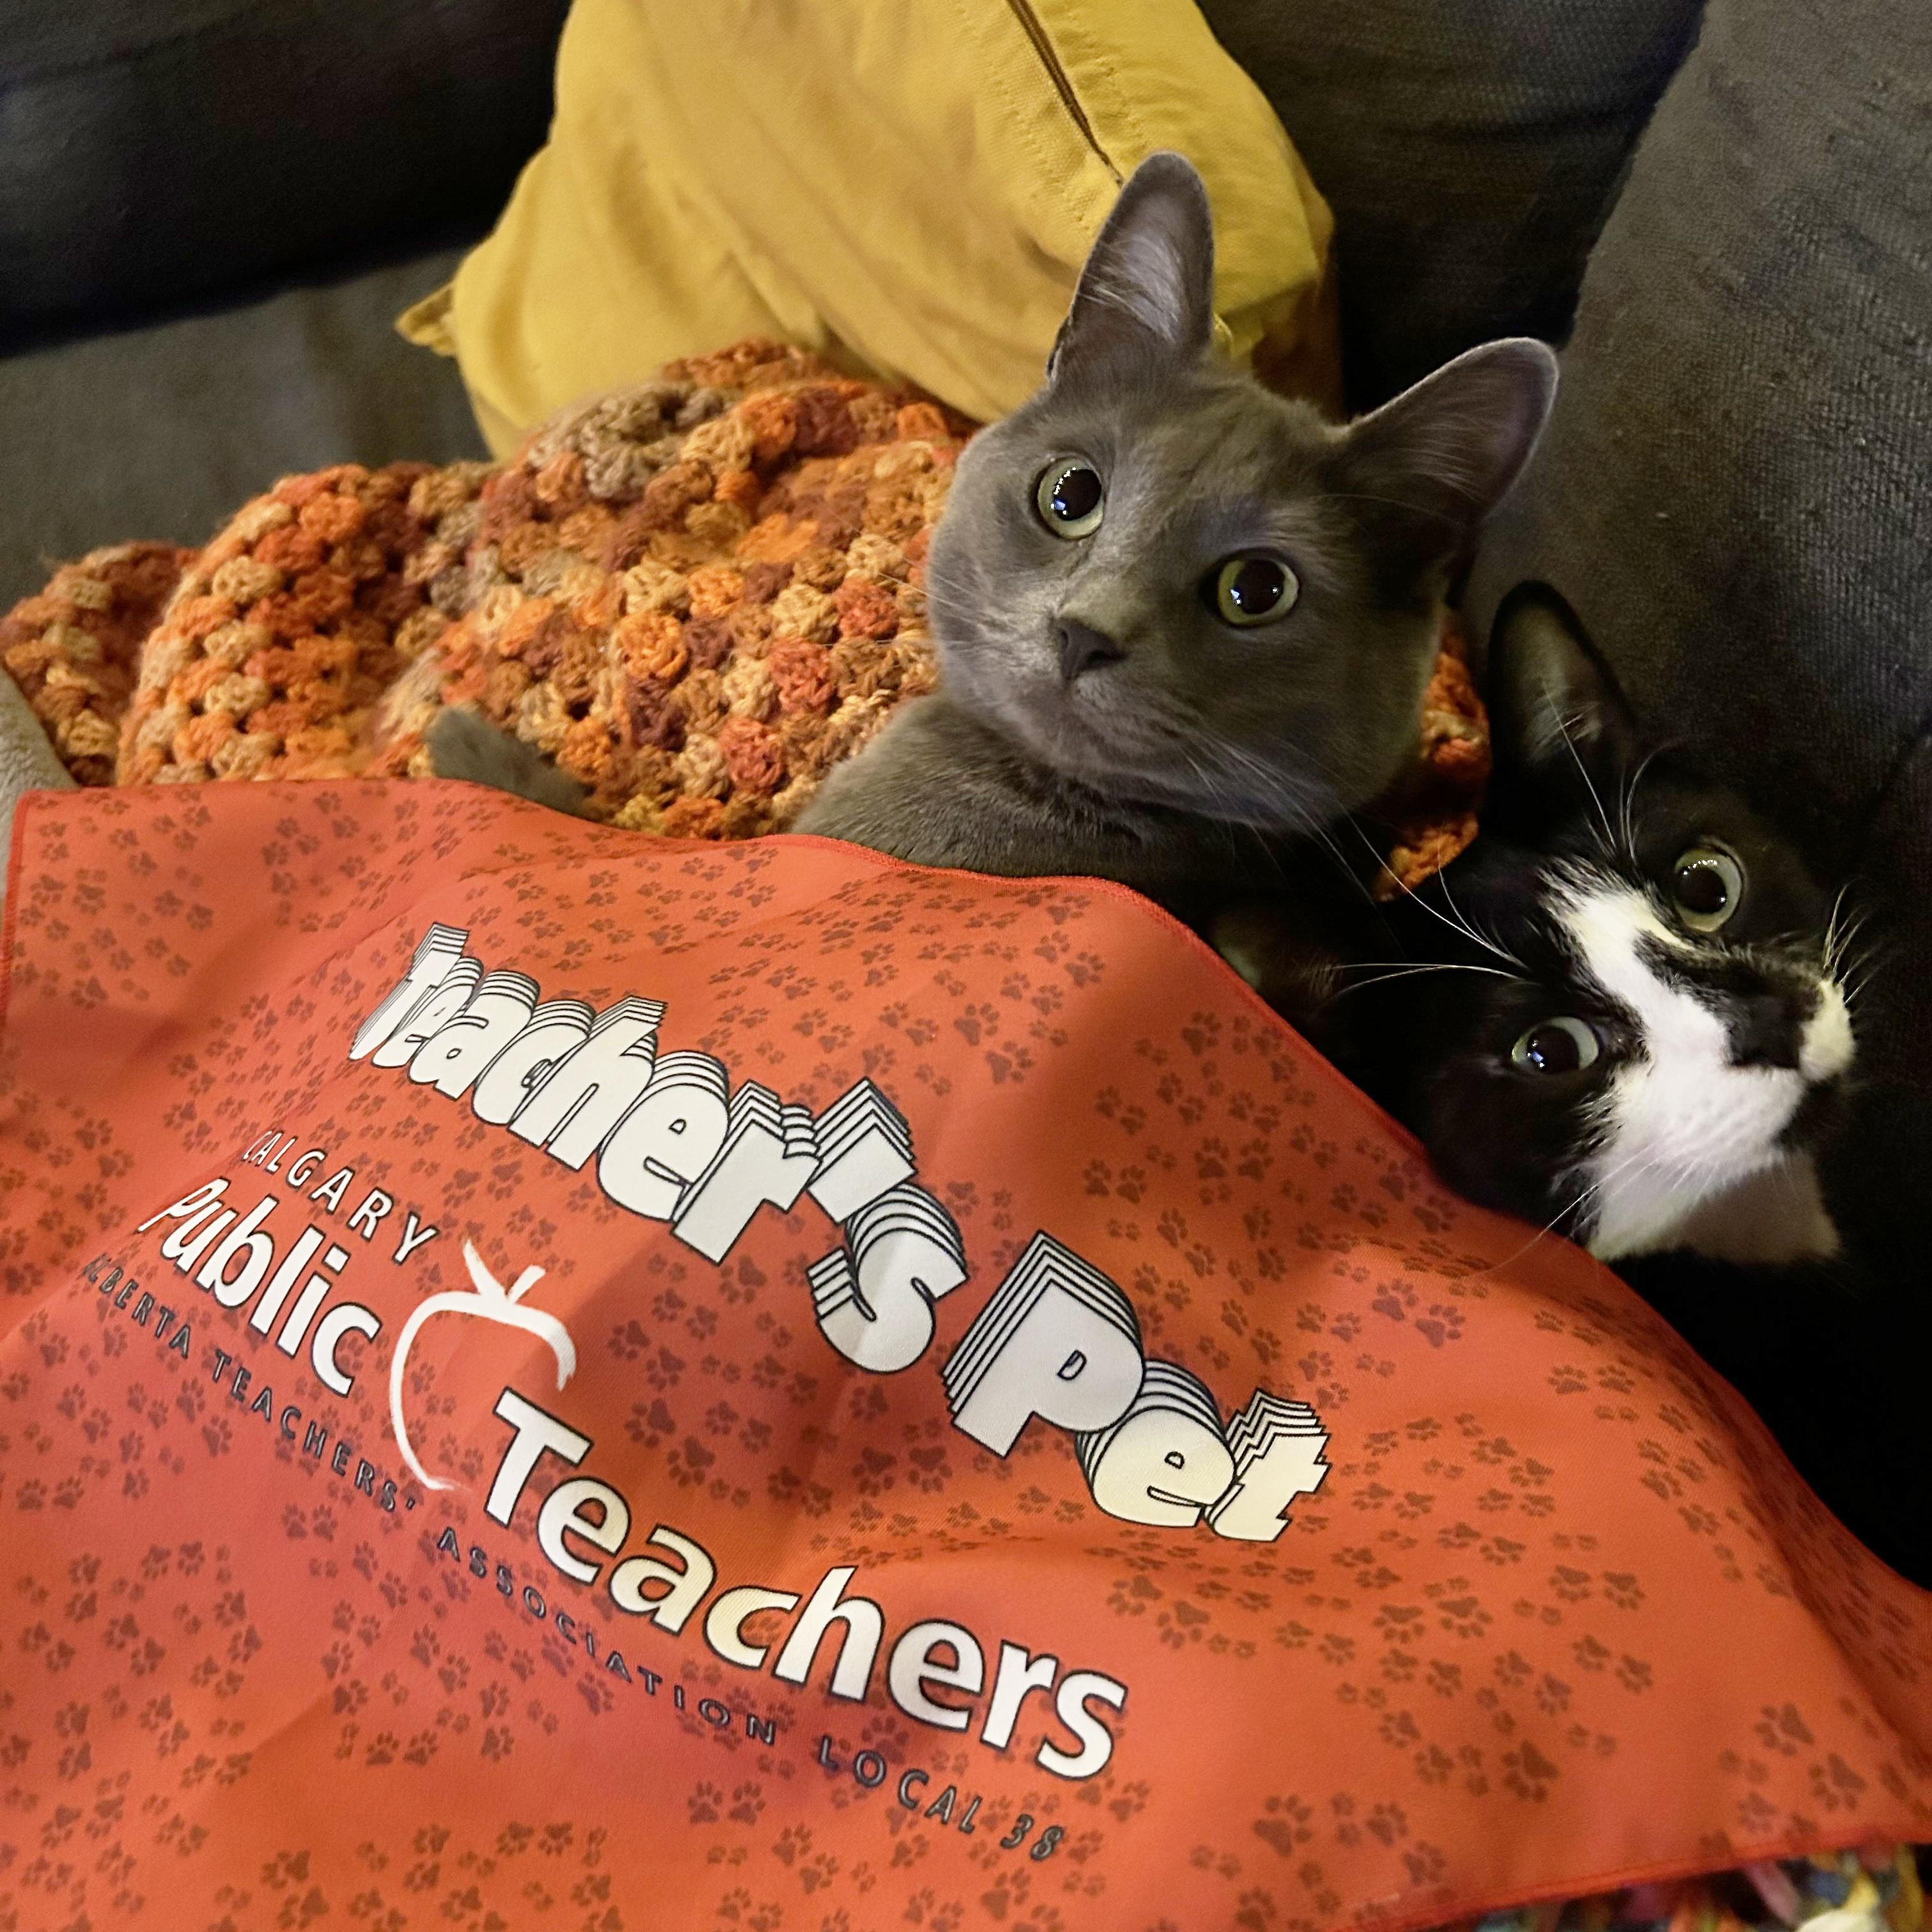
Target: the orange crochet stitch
pixel 74 648
pixel 696 595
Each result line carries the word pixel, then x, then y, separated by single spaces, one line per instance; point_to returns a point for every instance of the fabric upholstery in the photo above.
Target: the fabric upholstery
pixel 159 432
pixel 151 150
pixel 1469 149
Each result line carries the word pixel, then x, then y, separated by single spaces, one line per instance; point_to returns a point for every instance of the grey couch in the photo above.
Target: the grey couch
pixel 210 212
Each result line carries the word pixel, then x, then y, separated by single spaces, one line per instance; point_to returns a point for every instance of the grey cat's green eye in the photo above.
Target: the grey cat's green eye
pixel 1251 590
pixel 1707 885
pixel 1070 499
pixel 1561 1046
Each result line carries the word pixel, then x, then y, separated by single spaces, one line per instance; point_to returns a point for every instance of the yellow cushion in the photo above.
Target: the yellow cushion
pixel 908 189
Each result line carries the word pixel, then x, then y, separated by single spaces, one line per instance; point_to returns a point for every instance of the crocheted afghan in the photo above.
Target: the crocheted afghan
pixel 696 595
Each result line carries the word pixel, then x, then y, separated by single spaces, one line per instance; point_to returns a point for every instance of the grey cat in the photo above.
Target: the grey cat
pixel 1182 622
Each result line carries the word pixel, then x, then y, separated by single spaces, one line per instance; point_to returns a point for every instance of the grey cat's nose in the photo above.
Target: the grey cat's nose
pixel 1767 1029
pixel 1081 648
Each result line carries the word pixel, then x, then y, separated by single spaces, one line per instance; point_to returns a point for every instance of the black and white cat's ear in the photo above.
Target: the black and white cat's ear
pixel 1145 300
pixel 1555 709
pixel 1422 471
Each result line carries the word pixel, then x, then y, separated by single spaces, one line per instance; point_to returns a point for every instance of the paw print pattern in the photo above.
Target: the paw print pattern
pixel 1541 1525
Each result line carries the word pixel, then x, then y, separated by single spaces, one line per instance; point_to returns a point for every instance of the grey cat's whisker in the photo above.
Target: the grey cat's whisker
pixel 1240 760
pixel 1409 972
pixel 1368 843
pixel 1496 946
pixel 1391 503
pixel 1227 829
pixel 1565 724
pixel 1629 806
pixel 1458 924
pixel 1369 846
pixel 1344 871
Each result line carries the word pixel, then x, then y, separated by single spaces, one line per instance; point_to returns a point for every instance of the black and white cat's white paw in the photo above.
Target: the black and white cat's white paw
pixel 1776 1219
pixel 463 745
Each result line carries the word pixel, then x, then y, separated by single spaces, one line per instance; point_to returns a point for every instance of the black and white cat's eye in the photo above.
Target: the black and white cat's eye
pixel 1251 590
pixel 1559 1046
pixel 1706 884
pixel 1070 499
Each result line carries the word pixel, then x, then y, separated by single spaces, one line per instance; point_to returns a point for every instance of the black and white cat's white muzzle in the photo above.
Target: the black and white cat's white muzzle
pixel 1698 1134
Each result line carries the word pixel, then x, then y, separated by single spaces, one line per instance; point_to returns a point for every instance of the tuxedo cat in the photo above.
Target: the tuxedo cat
pixel 1180 620
pixel 1619 1013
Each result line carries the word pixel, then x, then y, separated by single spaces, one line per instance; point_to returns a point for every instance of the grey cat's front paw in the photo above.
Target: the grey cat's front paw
pixel 463 745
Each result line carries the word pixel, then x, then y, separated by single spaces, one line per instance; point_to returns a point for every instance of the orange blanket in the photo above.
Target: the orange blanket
pixel 696 596
pixel 552 1377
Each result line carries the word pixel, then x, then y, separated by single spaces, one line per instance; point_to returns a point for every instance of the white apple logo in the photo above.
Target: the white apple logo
pixel 494 1302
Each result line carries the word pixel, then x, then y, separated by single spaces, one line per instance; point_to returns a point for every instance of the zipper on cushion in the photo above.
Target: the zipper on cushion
pixel 1042 46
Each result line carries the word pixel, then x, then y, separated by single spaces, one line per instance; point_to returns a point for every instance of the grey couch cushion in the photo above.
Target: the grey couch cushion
pixel 1733 489
pixel 1736 492
pixel 153 149
pixel 1469 148
pixel 165 431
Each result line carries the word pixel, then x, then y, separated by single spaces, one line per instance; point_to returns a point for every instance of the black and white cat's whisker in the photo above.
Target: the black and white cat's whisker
pixel 1633 1166
pixel 1847 965
pixel 1852 977
pixel 1842 934
pixel 1832 928
pixel 1853 980
pixel 1413 965
pixel 1832 943
pixel 1560 1223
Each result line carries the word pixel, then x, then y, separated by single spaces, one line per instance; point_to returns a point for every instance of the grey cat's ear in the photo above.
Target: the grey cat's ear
pixel 1145 300
pixel 1422 471
pixel 1555 709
